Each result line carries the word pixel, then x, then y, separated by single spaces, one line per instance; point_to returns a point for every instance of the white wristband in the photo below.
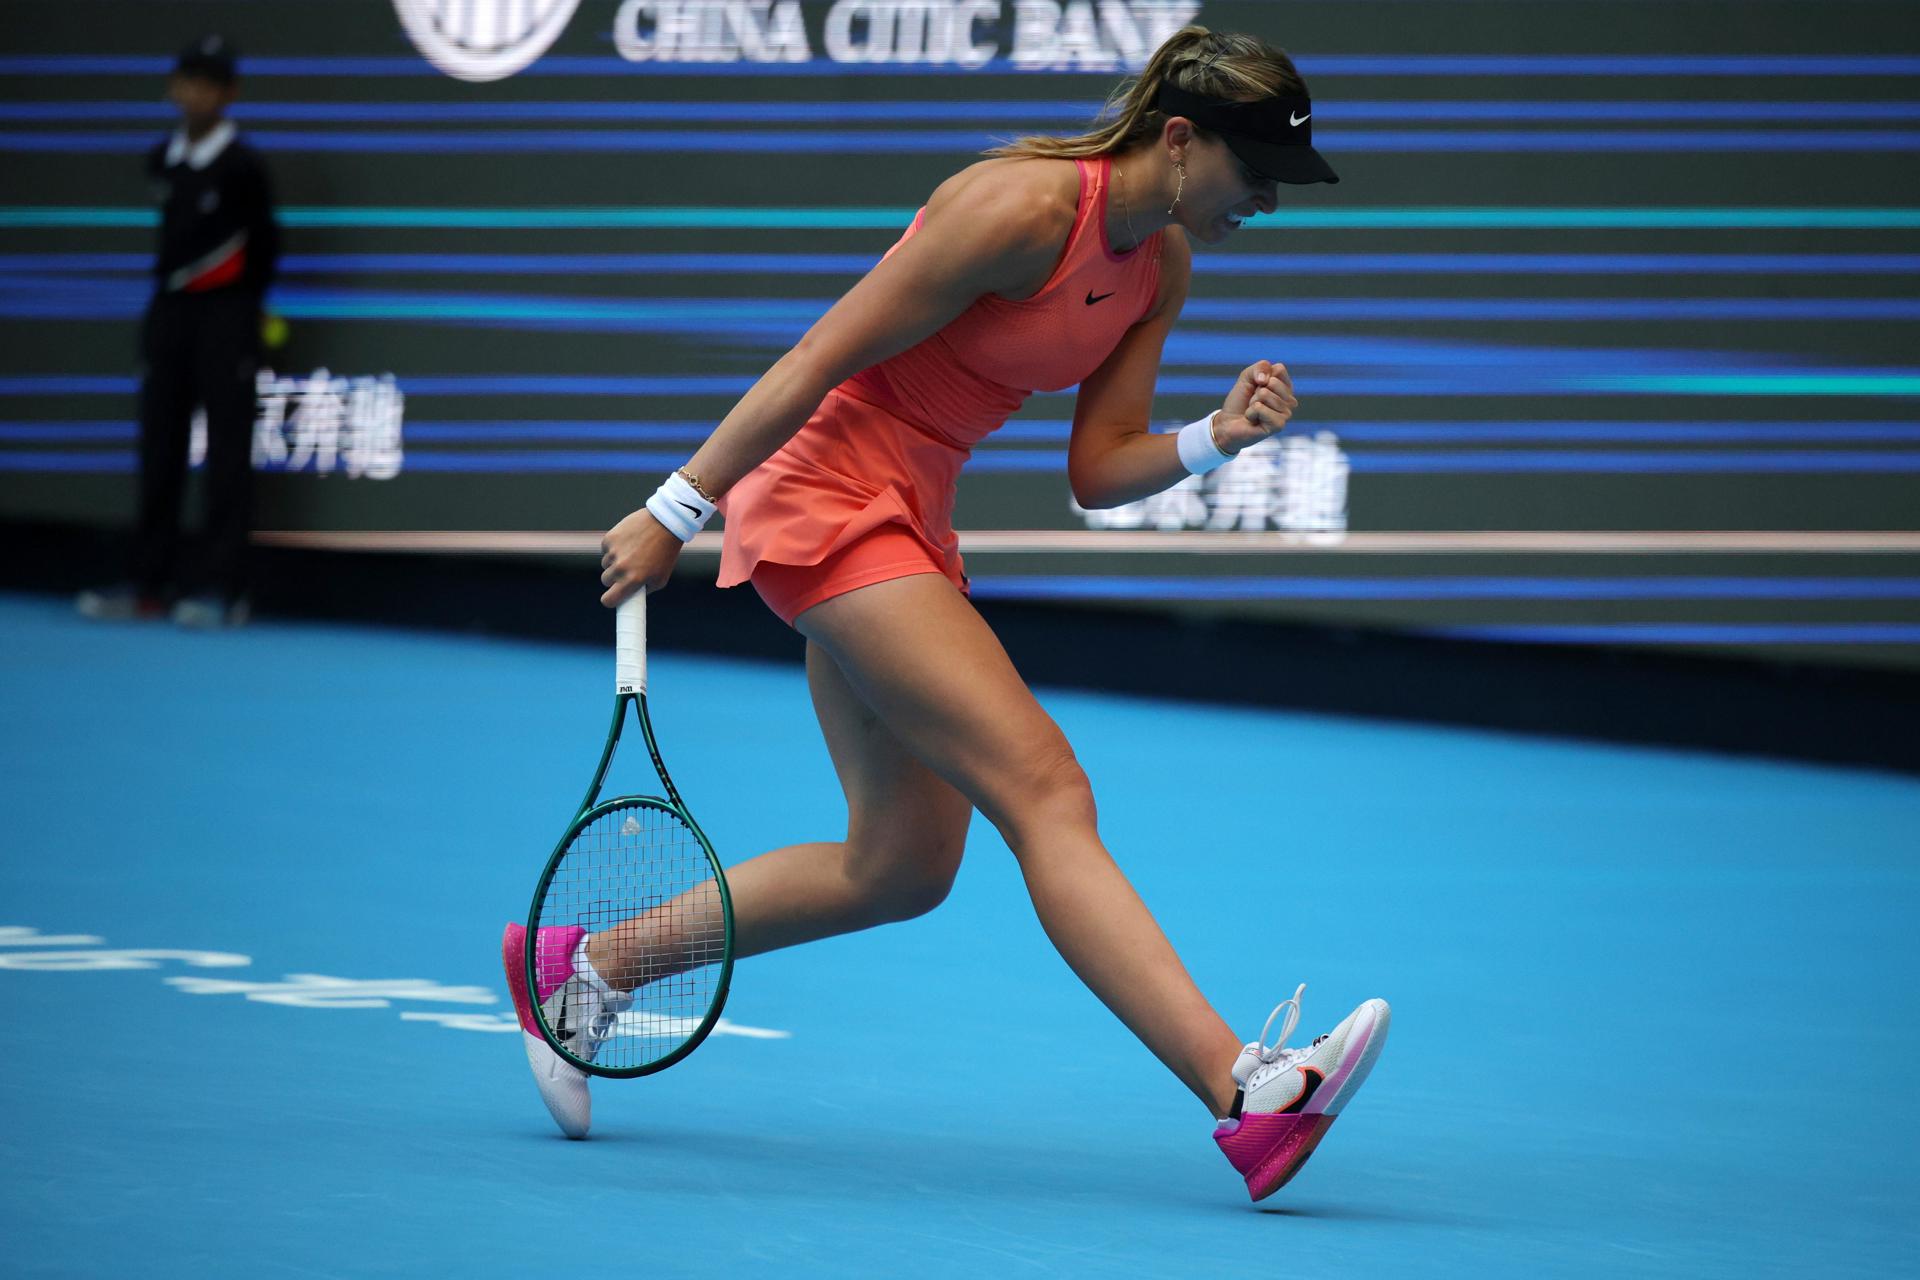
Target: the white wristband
pixel 1198 453
pixel 680 508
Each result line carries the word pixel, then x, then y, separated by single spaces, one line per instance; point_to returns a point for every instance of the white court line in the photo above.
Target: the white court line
pixel 312 990
pixel 1188 542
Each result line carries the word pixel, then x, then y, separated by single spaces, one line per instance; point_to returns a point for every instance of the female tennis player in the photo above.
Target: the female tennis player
pixel 1055 261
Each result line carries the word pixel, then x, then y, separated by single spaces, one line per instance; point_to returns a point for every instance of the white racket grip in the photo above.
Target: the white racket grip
pixel 630 644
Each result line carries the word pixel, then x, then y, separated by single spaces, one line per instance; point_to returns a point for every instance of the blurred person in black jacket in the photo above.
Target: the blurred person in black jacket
pixel 200 343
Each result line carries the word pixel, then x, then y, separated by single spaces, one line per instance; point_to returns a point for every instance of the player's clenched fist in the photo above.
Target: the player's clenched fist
pixel 1260 405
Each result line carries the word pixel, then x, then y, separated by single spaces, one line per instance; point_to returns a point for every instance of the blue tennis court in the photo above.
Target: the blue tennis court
pixel 1654 1011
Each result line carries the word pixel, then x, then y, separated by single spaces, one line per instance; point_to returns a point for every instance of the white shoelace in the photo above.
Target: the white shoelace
pixel 601 1027
pixel 606 1017
pixel 595 1017
pixel 1257 1055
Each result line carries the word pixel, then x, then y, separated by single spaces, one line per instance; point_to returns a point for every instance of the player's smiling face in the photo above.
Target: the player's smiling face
pixel 1229 192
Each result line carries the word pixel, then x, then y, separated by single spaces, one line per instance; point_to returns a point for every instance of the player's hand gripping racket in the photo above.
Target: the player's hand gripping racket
pixel 637 874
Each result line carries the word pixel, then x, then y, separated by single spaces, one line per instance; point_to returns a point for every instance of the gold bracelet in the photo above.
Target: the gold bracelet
pixel 1213 421
pixel 698 488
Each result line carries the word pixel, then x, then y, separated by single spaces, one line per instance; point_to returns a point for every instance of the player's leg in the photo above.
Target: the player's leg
pixel 929 666
pixel 906 829
pixel 925 661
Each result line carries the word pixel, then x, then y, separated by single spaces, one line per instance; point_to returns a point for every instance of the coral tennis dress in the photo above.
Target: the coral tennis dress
pixel 864 492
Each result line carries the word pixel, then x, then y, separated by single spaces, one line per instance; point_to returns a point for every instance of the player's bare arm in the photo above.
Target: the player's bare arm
pixel 1114 456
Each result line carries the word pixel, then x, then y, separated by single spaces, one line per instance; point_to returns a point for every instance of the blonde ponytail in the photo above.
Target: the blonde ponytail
pixel 1236 68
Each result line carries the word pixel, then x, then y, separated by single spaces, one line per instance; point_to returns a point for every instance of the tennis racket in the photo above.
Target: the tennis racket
pixel 638 875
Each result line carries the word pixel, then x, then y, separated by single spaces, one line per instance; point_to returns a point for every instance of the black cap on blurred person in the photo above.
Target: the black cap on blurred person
pixel 208 58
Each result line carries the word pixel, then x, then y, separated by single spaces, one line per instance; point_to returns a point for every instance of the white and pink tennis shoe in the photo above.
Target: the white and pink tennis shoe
pixel 579 1016
pixel 1288 1098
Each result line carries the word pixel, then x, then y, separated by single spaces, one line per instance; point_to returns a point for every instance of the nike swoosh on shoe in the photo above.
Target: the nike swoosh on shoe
pixel 1310 1081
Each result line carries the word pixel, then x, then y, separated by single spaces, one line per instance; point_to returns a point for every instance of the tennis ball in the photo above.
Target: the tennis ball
pixel 273 332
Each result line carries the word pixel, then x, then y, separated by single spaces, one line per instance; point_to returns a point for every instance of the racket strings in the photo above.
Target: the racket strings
pixel 639 875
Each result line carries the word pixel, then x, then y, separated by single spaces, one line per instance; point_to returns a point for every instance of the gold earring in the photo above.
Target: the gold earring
pixel 1182 170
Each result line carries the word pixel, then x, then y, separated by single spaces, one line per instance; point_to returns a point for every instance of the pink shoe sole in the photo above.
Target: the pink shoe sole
pixel 1269 1150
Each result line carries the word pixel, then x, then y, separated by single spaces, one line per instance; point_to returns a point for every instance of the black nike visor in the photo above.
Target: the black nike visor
pixel 1272 136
